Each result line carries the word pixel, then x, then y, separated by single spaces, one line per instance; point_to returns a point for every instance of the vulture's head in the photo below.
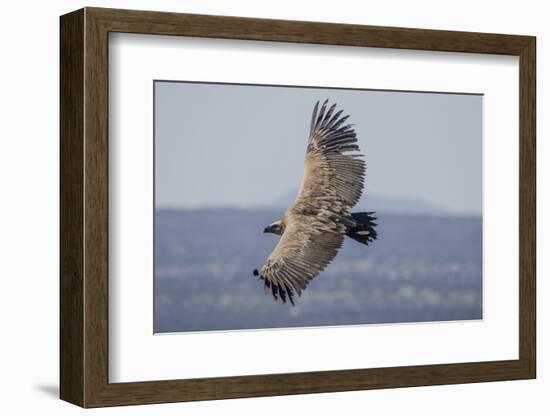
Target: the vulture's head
pixel 275 228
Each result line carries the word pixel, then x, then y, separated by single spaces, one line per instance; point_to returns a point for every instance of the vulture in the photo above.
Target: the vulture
pixel 313 228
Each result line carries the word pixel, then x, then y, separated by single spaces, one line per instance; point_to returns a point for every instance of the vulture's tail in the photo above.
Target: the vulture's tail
pixel 363 231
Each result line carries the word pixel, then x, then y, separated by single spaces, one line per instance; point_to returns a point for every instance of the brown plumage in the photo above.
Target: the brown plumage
pixel 312 230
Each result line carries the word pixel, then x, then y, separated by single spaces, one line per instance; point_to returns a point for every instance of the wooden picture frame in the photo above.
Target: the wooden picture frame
pixel 84 207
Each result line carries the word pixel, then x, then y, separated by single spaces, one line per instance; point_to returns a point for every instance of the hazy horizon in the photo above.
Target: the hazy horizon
pixel 370 202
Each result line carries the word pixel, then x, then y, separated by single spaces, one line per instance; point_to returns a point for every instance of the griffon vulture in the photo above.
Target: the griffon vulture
pixel 312 230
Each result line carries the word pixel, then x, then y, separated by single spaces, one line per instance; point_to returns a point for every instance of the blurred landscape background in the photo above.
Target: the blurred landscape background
pixel 228 162
pixel 425 266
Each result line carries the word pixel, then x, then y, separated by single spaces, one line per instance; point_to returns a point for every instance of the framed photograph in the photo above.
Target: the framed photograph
pixel 255 207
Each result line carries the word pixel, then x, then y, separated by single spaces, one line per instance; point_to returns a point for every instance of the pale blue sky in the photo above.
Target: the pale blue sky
pixel 223 145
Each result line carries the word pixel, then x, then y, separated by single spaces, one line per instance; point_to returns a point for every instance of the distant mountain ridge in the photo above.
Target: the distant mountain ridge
pixel 374 202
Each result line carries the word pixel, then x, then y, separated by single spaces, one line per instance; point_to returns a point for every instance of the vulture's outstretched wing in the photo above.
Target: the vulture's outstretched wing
pixel 305 248
pixel 333 170
pixel 317 221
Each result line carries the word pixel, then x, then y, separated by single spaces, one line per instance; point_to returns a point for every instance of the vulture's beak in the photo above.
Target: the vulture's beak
pixel 274 228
